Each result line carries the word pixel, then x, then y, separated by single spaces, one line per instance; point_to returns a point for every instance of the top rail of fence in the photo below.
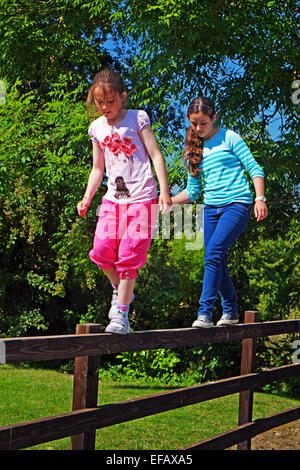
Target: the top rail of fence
pixel 45 348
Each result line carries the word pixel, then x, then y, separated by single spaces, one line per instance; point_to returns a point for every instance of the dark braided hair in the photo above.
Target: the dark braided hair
pixel 192 155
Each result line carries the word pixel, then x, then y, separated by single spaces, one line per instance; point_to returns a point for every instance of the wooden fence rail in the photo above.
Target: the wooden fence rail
pixel 89 344
pixel 46 348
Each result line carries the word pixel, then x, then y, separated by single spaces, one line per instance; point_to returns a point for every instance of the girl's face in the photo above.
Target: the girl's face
pixel 203 124
pixel 109 103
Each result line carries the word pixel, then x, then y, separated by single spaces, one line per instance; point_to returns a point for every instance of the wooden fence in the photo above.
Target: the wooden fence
pixel 88 344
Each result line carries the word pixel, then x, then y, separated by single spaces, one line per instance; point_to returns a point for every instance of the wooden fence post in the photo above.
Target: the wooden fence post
pixel 85 387
pixel 247 366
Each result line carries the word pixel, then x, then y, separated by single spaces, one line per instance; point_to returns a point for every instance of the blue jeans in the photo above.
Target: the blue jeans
pixel 222 227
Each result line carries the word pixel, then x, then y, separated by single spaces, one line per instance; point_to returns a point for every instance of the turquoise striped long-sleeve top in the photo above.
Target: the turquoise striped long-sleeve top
pixel 222 176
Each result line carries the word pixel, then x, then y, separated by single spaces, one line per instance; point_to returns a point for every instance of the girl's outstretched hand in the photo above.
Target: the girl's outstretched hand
pixel 82 207
pixel 260 210
pixel 165 202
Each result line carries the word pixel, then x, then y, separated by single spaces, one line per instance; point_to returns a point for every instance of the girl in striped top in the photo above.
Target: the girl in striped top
pixel 217 159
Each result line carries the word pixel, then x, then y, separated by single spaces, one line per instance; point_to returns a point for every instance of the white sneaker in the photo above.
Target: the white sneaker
pixel 227 319
pixel 119 323
pixel 203 321
pixel 114 303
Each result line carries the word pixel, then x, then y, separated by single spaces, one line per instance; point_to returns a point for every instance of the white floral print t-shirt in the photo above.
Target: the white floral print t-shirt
pixel 128 166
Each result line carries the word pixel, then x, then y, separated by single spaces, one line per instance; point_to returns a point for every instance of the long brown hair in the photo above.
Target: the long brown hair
pixel 192 155
pixel 105 78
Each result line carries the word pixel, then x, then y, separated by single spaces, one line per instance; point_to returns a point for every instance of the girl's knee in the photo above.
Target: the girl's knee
pixel 103 255
pixel 214 253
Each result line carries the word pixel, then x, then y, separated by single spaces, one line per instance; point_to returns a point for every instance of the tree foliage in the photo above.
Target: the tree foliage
pixel 41 40
pixel 242 53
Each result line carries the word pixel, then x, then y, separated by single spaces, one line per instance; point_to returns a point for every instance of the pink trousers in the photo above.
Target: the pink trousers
pixel 123 236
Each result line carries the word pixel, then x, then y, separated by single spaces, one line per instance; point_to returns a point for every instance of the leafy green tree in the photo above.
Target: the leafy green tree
pixel 44 164
pixel 41 40
pixel 242 53
pixel 273 273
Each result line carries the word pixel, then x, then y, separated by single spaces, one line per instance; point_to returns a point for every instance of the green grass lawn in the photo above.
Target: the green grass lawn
pixel 35 393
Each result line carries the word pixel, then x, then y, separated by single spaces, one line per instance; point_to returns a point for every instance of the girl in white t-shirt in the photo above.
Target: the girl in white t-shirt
pixel 122 143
